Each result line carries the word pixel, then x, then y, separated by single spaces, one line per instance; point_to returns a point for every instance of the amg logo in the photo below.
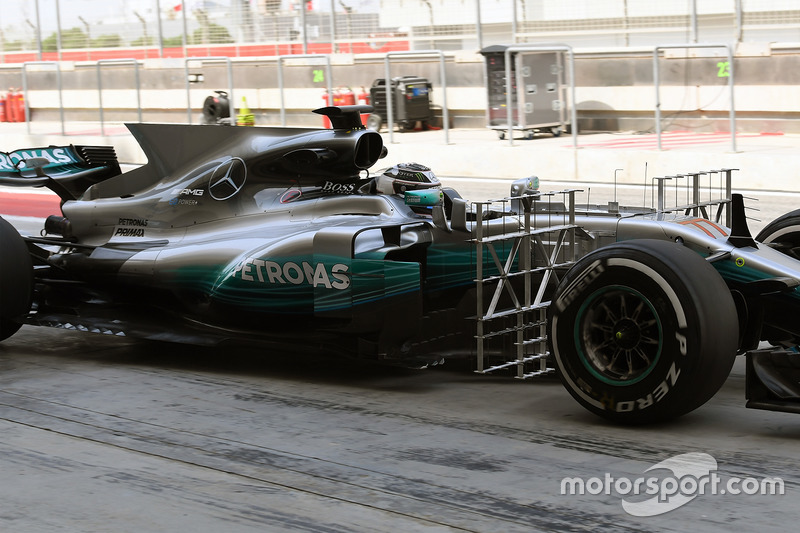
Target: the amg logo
pixel 188 192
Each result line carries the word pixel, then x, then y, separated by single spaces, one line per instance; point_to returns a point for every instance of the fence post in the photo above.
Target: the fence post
pixel 656 82
pixel 333 27
pixel 25 92
pixel 328 74
pixel 185 35
pixel 304 25
pixel 202 60
pixel 739 23
pixel 38 37
pixel 100 87
pixel 442 74
pixel 479 24
pixel 160 30
pixel 58 29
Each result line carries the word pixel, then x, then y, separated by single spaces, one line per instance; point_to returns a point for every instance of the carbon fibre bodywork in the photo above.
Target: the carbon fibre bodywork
pixel 267 235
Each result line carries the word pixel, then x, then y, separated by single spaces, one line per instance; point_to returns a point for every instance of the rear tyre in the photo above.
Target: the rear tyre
pixel 783 234
pixel 643 331
pixel 16 280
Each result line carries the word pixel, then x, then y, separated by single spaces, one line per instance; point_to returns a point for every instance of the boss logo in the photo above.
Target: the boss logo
pixel 339 188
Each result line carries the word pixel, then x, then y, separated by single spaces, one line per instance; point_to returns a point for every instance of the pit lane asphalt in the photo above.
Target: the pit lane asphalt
pixel 110 434
pixel 105 434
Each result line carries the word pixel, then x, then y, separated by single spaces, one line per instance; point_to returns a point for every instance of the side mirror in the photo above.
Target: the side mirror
pixel 458 218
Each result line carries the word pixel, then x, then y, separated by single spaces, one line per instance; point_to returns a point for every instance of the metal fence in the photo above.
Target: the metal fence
pixel 32 30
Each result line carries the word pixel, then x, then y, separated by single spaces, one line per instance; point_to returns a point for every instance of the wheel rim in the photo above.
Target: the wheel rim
pixel 618 335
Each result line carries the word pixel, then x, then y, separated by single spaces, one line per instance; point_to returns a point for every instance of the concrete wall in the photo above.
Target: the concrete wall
pixel 614 90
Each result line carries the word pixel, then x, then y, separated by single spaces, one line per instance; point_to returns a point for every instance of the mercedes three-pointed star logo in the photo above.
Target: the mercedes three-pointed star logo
pixel 227 179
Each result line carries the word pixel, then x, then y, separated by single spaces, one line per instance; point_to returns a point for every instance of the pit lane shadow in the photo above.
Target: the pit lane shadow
pixel 547 398
pixel 72 347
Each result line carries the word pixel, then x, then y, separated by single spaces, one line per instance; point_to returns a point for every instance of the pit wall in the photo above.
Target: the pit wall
pixel 614 90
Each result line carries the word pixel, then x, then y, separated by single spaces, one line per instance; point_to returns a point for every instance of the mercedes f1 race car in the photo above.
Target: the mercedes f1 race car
pixel 284 238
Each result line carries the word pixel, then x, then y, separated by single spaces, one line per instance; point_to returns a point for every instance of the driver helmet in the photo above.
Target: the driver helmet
pixel 406 177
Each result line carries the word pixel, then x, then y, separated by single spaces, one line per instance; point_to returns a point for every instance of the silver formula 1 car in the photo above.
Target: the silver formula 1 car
pixel 282 237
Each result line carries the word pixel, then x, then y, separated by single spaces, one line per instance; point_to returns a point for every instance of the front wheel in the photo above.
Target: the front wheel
pixel 783 234
pixel 643 331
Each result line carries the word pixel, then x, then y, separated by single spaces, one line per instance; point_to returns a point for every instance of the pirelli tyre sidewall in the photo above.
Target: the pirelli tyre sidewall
pixel 643 331
pixel 16 280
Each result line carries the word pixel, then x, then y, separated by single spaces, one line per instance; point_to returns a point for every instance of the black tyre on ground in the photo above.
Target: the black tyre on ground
pixel 16 280
pixel 783 234
pixel 643 331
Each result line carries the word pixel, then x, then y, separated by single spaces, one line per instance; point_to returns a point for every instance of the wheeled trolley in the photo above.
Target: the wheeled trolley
pixel 410 102
pixel 538 92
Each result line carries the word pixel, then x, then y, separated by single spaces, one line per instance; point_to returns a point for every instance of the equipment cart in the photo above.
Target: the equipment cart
pixel 538 92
